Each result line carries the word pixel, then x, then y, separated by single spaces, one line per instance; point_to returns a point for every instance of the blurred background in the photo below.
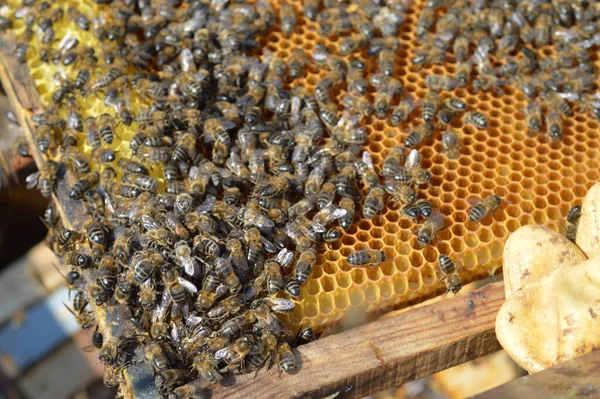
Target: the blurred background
pixel 43 352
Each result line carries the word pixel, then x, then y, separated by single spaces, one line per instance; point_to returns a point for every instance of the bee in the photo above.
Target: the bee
pixel 487 82
pixel 329 114
pixel 106 128
pixel 399 192
pixel 206 366
pixel 555 102
pixel 463 73
pixel 103 155
pixel 453 281
pixel 225 270
pixel 393 160
pixel 347 204
pixel 427 232
pixel 573 222
pixel 130 166
pixel 193 389
pixel 411 210
pixel 373 202
pixel 554 126
pixel 155 355
pixel 45 178
pixel 144 265
pixel 85 319
pixel 331 79
pixel 461 48
pixel 356 82
pixel 476 119
pixel 286 358
pixel 176 285
pixel 296 63
pixel 147 294
pixel 413 176
pixel 402 111
pixel 96 235
pixel 311 8
pixel 360 104
pixel 192 85
pixel 44 138
pixel 84 184
pixel 425 21
pixel 533 117
pixel 484 207
pixel 366 171
pixel 440 82
pixel 367 257
pixel 451 145
pixel 421 132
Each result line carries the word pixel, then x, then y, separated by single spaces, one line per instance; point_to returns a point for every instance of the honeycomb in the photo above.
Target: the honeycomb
pixel 539 180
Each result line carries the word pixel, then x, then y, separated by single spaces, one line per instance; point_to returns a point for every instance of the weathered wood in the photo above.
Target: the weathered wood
pixel 113 321
pixel 576 378
pixel 400 347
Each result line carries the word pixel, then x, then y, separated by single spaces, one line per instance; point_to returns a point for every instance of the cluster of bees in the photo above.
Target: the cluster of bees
pixel 208 217
pixel 499 43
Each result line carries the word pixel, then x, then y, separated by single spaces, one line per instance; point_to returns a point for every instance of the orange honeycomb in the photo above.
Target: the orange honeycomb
pixel 539 179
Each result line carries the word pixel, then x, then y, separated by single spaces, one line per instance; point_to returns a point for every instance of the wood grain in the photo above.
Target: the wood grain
pixel 400 347
pixel 113 321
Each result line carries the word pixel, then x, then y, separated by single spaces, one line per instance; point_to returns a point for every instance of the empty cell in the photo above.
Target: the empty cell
pixel 414 280
pixel 579 191
pixel 540 217
pixel 327 283
pixel 592 175
pixel 428 275
pixel 471 240
pixel 483 256
pixel 390 228
pixel 358 276
pixel 566 195
pixel 356 296
pixel 363 236
pixel 512 225
pixel 371 292
pixel 458 230
pixel 312 286
pixel 343 280
pixel 402 263
pixel 400 285
pixel 310 307
pixel 297 315
pixel 458 245
pixel 386 289
pixel 485 235
pixel 416 259
pixel 374 273
pixel 341 299
pixel 430 254
pixel 326 303
pixel 468 261
pixel 331 268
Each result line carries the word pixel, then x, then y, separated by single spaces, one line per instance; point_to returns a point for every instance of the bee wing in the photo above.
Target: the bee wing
pixel 269 246
pixel 225 173
pixel 161 309
pixel 149 223
pixel 221 291
pixel 227 124
pixel 318 227
pixel 189 266
pixel 436 218
pixel 281 305
pixel 474 201
pixel 175 333
pixel 193 320
pixel 206 206
pixel 284 257
pixel 366 158
pixel 32 179
pixel 186 59
pixel 339 213
pixel 413 160
pixel 221 353
pixel 189 286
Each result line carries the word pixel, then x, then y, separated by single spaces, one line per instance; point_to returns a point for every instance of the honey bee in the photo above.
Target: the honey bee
pixel 84 184
pixel 373 202
pixel 367 257
pixel 85 319
pixel 484 207
pixel 487 82
pixel 393 160
pixel 440 82
pixel 427 232
pixel 555 102
pixel 453 281
pixel 225 270
pixel 425 207
pixel 45 178
pixel 533 117
pixel 402 111
pixel 554 124
pixel 463 73
pixel 360 104
pixel 413 176
pixel 366 171
pixel 476 119
pixel 296 63
pixel 421 132
pixel 573 222
pixel 192 85
pixel 193 389
pixel 425 21
pixel 451 144
pixel 286 358
pixel 206 366
pixel 96 235
pixel 144 265
pixel 431 104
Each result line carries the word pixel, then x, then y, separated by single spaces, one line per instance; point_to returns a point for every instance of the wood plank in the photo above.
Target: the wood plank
pixel 576 378
pixel 402 346
pixel 60 375
pixel 18 289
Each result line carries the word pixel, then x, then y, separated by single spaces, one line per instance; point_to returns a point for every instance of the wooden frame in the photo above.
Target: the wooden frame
pixel 399 347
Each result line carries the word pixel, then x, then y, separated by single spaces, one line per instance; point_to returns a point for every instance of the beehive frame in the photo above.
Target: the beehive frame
pixel 540 180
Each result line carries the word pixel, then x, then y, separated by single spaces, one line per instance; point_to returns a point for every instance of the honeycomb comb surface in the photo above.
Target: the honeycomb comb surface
pixel 539 179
